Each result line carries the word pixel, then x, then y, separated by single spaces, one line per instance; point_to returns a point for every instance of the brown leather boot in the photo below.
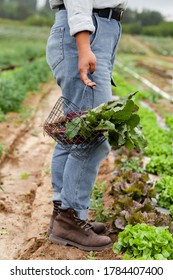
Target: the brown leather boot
pixel 68 229
pixel 97 227
pixel 56 211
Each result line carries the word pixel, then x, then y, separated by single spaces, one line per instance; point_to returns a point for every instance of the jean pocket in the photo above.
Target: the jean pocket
pixel 93 36
pixel 54 48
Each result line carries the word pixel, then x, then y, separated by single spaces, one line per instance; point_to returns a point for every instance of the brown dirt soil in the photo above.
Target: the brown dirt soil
pixel 162 77
pixel 148 49
pixel 161 72
pixel 158 75
pixel 25 205
pixel 162 108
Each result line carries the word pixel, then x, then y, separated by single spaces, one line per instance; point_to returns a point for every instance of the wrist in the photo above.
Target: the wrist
pixel 83 41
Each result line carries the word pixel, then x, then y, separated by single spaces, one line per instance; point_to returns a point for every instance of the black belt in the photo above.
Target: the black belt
pixel 105 13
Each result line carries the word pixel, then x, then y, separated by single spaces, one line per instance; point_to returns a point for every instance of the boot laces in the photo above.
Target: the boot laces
pixel 83 224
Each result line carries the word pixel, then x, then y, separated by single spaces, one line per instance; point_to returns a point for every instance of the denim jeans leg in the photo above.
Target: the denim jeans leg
pixel 58 163
pixel 79 178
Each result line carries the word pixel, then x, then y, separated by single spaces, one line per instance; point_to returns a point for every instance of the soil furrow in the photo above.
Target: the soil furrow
pixel 21 177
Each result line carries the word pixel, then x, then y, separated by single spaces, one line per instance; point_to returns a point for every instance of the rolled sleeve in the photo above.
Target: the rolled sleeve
pixel 79 23
pixel 79 15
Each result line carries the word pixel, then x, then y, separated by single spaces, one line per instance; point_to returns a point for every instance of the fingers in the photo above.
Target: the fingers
pixel 84 76
pixel 90 83
pixel 86 80
pixel 87 64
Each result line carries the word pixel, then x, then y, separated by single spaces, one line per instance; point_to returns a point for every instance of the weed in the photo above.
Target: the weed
pixel 47 170
pixel 101 214
pixel 23 205
pixel 19 83
pixel 24 114
pixel 24 176
pixel 35 133
pixel 42 254
pixel 97 194
pixel 44 235
pixel 134 165
pixel 91 256
pixel 1 150
pixel 4 231
pixel 2 116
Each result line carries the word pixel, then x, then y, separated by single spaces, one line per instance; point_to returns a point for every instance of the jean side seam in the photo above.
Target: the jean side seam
pixel 78 181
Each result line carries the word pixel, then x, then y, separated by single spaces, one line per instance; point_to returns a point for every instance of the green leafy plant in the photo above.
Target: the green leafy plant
pixel 2 116
pixel 159 140
pixel 171 211
pixel 144 242
pixel 169 122
pixel 97 192
pixel 1 150
pixel 159 147
pixel 91 256
pixel 134 164
pixel 160 165
pixel 24 176
pixel 100 214
pixel 4 231
pixel 132 193
pixel 132 184
pixel 116 120
pixel 19 82
pixel 164 187
pixel 47 170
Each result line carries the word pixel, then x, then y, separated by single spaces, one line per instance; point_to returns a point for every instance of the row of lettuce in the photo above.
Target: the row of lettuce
pixel 147 230
pixel 22 64
pixel 22 67
pixel 158 132
pixel 142 208
pixel 16 85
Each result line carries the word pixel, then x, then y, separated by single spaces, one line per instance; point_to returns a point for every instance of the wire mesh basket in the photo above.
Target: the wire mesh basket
pixel 63 112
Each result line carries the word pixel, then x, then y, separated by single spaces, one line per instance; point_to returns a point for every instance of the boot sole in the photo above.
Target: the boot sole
pixel 59 240
pixel 49 231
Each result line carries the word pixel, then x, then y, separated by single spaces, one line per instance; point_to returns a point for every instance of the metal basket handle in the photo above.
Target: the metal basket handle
pixel 83 96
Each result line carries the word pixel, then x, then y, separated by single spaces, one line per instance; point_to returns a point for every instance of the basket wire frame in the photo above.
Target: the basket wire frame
pixel 64 111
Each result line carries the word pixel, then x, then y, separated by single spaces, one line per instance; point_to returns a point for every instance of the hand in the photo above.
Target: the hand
pixel 87 64
pixel 87 59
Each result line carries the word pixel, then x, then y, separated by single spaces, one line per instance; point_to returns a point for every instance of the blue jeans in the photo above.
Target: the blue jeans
pixel 72 178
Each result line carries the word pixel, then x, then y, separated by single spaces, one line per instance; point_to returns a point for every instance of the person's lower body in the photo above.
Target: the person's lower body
pixel 72 178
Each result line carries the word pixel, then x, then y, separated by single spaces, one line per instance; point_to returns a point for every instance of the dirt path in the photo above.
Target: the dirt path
pixel 25 205
pixel 22 176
